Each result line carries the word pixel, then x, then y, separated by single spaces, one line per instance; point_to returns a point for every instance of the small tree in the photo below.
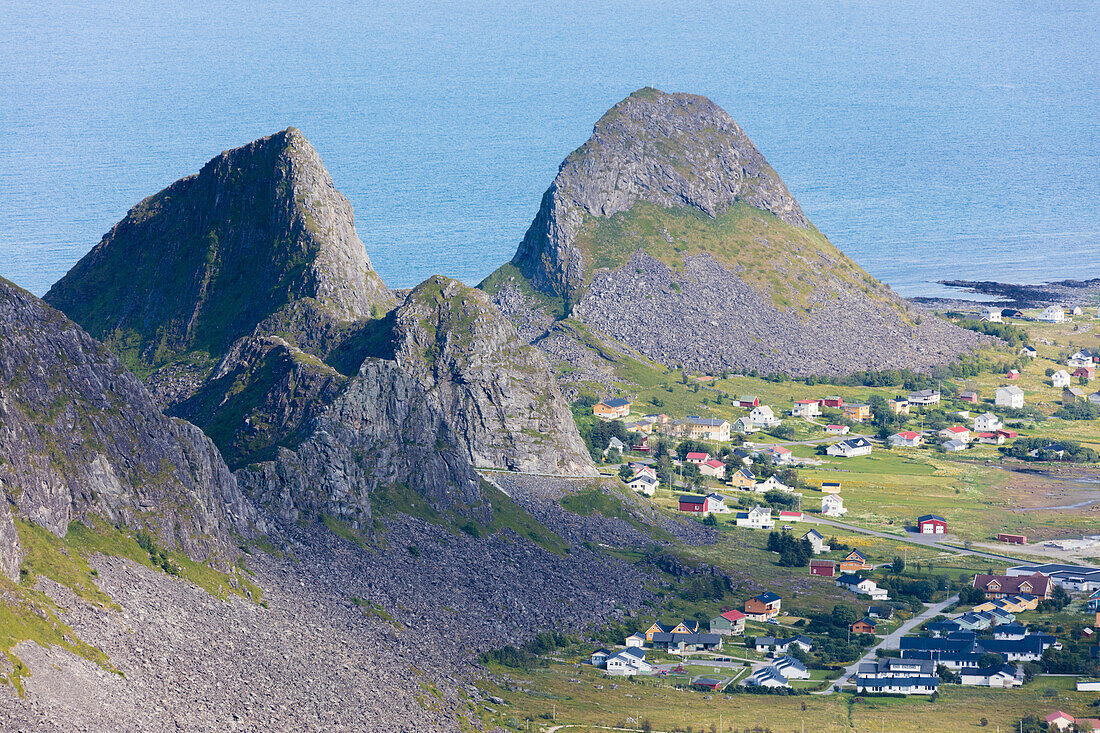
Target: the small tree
pixel 625 473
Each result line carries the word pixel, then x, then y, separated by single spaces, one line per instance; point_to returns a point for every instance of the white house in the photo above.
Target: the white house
pixel 771 482
pixel 956 432
pixel 744 426
pixel 759 517
pixel 628 662
pixel 850 448
pixel 954 446
pixel 832 506
pixel 907 439
pixel 763 417
pixel 924 397
pixel 987 422
pixel 1052 314
pixel 1077 311
pixel 863 586
pixel 1010 396
pixel 1029 352
pixel 1060 378
pixel 616 445
pixel 817 541
pixel 791 668
pixel 635 640
pixel 806 409
pixel 643 483
pixel 767 677
pixel 991 315
pixel 837 429
pixel 713 468
pixel 1080 359
pixel 1003 676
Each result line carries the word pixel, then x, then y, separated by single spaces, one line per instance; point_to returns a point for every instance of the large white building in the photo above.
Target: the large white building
pixel 1052 314
pixel 1010 396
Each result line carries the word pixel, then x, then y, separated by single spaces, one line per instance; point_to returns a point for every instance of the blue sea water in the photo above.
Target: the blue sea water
pixel 928 140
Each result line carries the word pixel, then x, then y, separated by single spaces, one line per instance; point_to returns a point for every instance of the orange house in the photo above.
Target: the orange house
pixel 611 409
pixel 853 563
pixel 857 412
pixel 762 607
pixel 863 626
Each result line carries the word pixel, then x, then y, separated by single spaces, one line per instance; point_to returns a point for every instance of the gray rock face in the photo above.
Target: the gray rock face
pixel 761 336
pixel 458 390
pixel 200 264
pixel 80 435
pixel 673 150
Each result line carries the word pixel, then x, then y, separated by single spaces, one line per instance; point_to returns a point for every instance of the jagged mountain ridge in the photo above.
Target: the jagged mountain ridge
pixel 193 268
pixel 79 435
pixel 669 214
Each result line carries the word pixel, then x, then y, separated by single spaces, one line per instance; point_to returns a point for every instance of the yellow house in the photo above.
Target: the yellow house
pixel 899 405
pixel 856 411
pixel 742 479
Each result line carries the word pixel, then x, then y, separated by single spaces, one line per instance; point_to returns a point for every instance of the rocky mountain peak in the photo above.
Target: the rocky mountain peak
pixel 669 150
pixel 200 264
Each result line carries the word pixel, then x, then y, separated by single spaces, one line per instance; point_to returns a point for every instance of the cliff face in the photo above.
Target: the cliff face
pixel 669 214
pixel 446 388
pixel 79 435
pixel 193 268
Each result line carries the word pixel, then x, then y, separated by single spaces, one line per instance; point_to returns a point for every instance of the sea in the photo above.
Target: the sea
pixel 928 140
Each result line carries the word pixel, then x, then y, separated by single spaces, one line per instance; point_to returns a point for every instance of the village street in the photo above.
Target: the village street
pixel 890 641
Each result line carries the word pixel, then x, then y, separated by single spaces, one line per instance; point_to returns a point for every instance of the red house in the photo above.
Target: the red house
pixel 748 401
pixel 932 524
pixel 698 504
pixel 1088 373
pixel 1008 434
pixel 1012 539
pixel 1013 374
pixel 824 568
pixel 832 401
pixel 864 626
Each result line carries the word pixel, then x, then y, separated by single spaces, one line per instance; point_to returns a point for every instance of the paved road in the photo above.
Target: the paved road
pixel 891 641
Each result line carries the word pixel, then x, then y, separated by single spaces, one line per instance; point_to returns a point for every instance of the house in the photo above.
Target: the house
pixel 713 468
pixel 969 396
pixel 642 446
pixel 830 487
pixel 850 448
pixel 748 401
pixel 1060 721
pixel 806 409
pixel 616 445
pixel 628 662
pixel 1012 539
pixel 767 677
pixel 713 684
pixel 742 478
pixel 687 626
pixel 791 668
pixel 770 644
pixel 956 432
pixel 931 524
pixel 759 517
pixel 990 438
pixel 864 626
pixel 707 428
pixel 987 422
pixel 1094 398
pixel 1012 374
pixel 728 623
pixel 1076 311
pixel 599 657
pixel 853 562
pixel 635 640
pixel 823 568
pixel 898 405
pixel 771 483
pixel 999 586
pixel 643 483
pixel 702 505
pixel 640 426
pixel 1060 379
pixel 1052 314
pixel 1007 434
pixel 837 429
pixel 611 409
pixel 832 506
pixel 1080 359
pixel 744 426
pixel 697 458
pixel 857 412
pixel 897 676
pixel 1094 601
pixel 880 612
pixel 817 541
pixel 763 417
pixel 833 401
pixel 924 397
pixel 1029 352
pixel 1073 394
pixel 862 586
pixel 954 446
pixel 763 607
pixel 991 315
pixel 1010 396
pixel 789 516
pixel 676 643
pixel 1010 630
pixel 779 455
pixel 1088 373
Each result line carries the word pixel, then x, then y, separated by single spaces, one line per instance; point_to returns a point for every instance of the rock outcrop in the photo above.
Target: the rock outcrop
pixel 80 435
pixel 668 214
pixel 447 389
pixel 197 266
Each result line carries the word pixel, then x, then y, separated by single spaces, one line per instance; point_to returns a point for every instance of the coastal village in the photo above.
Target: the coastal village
pixel 786 470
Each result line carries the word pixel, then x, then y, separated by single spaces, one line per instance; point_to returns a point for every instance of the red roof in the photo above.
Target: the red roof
pixel 807 402
pixel 957 429
pixel 697 456
pixel 780 449
pixel 783 515
pixel 714 463
pixel 1008 433
pixel 909 435
pixel 988 435
pixel 835 427
pixel 733 615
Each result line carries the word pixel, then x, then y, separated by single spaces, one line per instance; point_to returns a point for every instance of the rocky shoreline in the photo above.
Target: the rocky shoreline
pixel 1015 295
